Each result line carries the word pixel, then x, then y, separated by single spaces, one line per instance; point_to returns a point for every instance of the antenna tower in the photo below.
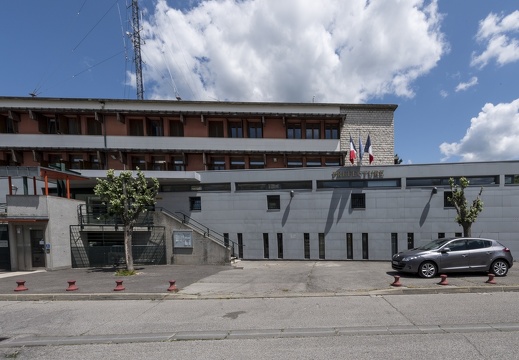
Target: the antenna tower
pixel 136 38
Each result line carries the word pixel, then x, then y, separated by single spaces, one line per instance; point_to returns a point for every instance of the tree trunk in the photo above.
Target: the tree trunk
pixel 467 232
pixel 128 247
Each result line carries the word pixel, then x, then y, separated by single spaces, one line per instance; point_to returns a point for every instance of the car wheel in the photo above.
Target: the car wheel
pixel 427 270
pixel 499 267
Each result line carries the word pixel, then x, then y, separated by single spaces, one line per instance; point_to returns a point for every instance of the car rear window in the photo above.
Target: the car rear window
pixel 479 244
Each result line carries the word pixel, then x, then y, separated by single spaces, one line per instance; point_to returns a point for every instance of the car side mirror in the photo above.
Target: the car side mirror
pixel 445 250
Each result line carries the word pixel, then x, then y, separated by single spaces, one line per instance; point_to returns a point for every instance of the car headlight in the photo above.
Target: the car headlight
pixel 409 258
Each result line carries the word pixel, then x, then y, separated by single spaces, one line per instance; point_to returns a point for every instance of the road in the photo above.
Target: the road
pixel 443 326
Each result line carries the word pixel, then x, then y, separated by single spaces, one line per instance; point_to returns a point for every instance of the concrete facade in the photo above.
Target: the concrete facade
pixel 411 214
pixel 39 232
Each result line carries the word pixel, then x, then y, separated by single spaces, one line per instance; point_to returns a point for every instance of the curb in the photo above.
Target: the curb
pixel 179 296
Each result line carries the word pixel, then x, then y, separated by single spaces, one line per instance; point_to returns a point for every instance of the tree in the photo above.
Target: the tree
pixel 465 215
pixel 398 161
pixel 127 197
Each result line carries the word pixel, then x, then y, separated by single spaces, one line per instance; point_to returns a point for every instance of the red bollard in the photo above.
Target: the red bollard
pixel 490 279
pixel 119 286
pixel 21 286
pixel 397 281
pixel 72 285
pixel 444 280
pixel 172 286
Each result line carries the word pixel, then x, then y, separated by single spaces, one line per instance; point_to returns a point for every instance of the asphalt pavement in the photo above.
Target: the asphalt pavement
pixel 241 279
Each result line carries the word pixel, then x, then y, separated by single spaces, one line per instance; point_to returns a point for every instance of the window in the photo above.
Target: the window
pixel 331 131
pixel 237 163
pixel 349 246
pixel 358 201
pixel 458 245
pixel 47 125
pixel 217 163
pixel 332 161
pixel 458 234
pixel 94 162
pixel 511 179
pixel 306 245
pixel 478 244
pixel 255 130
pixel 71 125
pixel 446 202
pixel 240 245
pixel 280 246
pixel 178 163
pixel 94 127
pixel 158 163
pixel 441 235
pixel 273 202
pixel 235 129
pixel 394 243
pixel 293 131
pixel 215 129
pixel 294 162
pixel 313 130
pixel 226 239
pixel 76 161
pixel 55 159
pixel 154 127
pixel 195 203
pixel 138 162
pixel 176 128
pixel 265 245
pixel 8 125
pixel 410 240
pixel 322 247
pixel 313 162
pixel 256 163
pixel 136 127
pixel 365 246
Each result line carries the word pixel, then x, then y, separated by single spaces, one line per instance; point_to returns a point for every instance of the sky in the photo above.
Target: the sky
pixel 452 67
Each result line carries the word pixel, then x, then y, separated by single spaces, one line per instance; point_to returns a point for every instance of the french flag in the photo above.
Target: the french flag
pixel 369 150
pixel 353 151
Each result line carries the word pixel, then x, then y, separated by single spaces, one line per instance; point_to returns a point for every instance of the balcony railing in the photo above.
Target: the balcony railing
pixel 99 215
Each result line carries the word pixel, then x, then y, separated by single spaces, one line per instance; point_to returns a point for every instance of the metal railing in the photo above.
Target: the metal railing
pixel 206 231
pixel 99 215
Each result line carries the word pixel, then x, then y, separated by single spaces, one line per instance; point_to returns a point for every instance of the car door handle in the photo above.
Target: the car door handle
pixel 464 255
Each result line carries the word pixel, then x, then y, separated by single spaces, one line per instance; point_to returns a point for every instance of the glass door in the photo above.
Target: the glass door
pixel 37 248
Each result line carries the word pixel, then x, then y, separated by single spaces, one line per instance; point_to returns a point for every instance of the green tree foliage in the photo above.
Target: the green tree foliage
pixel 466 215
pixel 127 197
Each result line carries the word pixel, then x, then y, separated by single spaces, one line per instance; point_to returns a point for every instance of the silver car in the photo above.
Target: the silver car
pixel 455 254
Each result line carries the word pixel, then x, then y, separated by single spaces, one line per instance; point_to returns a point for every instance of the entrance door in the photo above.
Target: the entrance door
pixel 5 257
pixel 37 248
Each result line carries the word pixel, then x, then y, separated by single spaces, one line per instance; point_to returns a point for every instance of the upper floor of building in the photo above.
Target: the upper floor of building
pixel 188 136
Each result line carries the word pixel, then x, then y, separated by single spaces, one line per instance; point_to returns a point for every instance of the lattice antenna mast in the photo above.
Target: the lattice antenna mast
pixel 136 38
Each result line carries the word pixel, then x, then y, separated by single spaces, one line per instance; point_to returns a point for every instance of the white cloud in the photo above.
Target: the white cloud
pixel 465 85
pixel 492 135
pixel 444 93
pixel 498 33
pixel 291 50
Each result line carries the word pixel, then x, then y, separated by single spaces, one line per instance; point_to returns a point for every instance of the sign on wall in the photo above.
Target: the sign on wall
pixel 182 239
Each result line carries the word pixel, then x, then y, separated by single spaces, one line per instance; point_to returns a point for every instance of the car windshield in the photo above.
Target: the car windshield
pixel 435 244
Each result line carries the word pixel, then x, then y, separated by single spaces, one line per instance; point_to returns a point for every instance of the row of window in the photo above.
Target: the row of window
pixel 71 125
pixel 358 200
pixel 349 244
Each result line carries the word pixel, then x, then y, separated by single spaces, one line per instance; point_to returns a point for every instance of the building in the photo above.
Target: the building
pixel 87 134
pixel 252 180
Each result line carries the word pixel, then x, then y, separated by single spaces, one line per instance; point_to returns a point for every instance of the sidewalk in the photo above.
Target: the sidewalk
pixel 243 279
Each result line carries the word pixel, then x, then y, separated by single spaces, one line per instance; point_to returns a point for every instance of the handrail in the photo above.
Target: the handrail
pixel 220 238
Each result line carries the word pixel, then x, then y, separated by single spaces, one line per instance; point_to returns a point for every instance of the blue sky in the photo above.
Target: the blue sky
pixel 451 66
